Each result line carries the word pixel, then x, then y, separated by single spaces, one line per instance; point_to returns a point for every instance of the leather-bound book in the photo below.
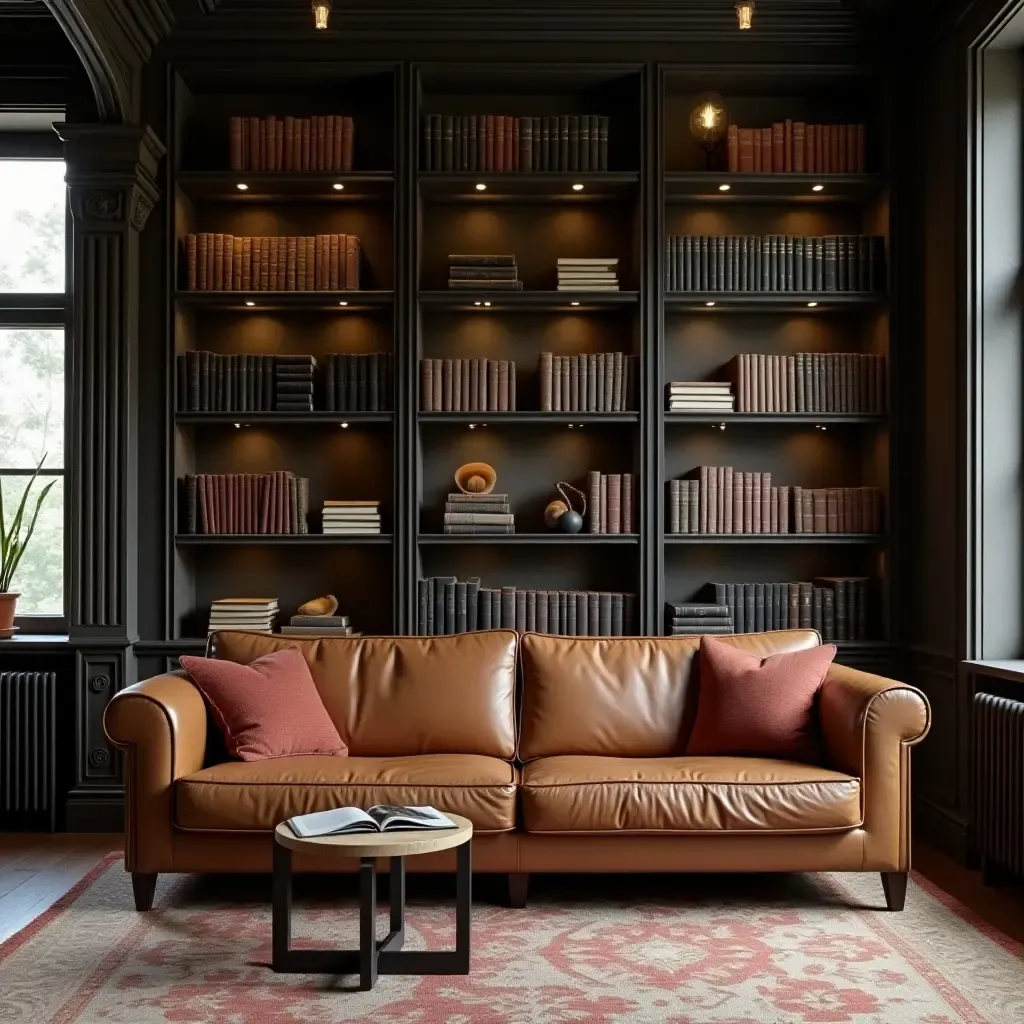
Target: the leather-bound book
pixel 831 510
pixel 191 262
pixel 628 526
pixel 274 283
pixel 218 262
pixel 235 144
pixel 502 385
pixel 330 142
pixel 746 150
pixel 511 144
pixel 321 142
pixel 602 504
pixel 493 385
pixel 499 143
pixel 593 502
pixel 545 381
pixel 352 262
pixel 733 148
pixel 282 263
pixel 614 517
pixel 574 384
pixel 860 158
pixel 778 147
pixel 274 127
pixel 335 267
pixel 766 144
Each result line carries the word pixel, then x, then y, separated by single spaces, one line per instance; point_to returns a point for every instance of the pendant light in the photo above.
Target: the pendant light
pixel 321 13
pixel 745 13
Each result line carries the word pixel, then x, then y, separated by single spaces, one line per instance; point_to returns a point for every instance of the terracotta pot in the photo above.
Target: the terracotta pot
pixel 7 605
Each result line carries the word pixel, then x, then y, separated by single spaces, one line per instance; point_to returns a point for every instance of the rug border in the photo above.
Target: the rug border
pixel 14 942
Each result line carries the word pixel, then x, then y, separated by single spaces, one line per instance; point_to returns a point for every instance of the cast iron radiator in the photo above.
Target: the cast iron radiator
pixel 27 745
pixel 999 781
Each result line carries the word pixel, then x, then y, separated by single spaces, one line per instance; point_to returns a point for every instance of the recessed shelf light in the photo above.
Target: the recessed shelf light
pixel 238 426
pixel 481 187
pixel 724 188
pixel 811 305
pixel 486 303
pixel 472 426
pixel 338 187
pixel 242 187
pixel 477 303
pixel 250 303
pixel 819 426
pixel 344 426
pixel 573 303
pixel 817 188
pixel 342 303
pixel 709 304
pixel 577 187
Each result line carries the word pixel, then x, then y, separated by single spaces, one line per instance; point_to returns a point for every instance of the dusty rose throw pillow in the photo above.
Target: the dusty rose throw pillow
pixel 749 707
pixel 269 708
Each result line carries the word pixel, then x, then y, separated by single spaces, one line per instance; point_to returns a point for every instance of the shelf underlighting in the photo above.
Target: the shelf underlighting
pixel 342 303
pixel 338 187
pixel 250 303
pixel 817 188
pixel 344 426
pixel 577 188
pixel 724 188
pixel 709 304
pixel 811 305
pixel 573 303
pixel 242 187
pixel 481 187
pixel 486 303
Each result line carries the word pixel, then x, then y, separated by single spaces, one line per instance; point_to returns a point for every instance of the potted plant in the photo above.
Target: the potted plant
pixel 13 545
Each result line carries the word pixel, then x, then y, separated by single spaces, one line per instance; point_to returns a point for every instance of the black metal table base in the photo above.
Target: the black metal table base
pixel 374 956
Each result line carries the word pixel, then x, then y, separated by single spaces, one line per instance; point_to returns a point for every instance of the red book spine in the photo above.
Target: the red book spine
pixel 510 144
pixel 351 262
pixel 788 138
pixel 329 123
pixel 766 150
pixel 809 162
pixel 746 150
pixel 799 146
pixel 348 137
pixel 778 147
pixel 734 148
pixel 499 142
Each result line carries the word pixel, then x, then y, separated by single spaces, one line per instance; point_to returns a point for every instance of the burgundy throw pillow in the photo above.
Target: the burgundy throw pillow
pixel 753 707
pixel 269 708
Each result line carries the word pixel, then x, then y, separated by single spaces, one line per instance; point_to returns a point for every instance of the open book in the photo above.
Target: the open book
pixel 381 818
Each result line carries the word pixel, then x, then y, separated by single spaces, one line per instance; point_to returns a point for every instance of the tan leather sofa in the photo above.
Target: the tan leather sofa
pixel 582 769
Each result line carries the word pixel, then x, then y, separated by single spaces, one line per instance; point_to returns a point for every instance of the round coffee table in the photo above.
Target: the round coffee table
pixel 383 956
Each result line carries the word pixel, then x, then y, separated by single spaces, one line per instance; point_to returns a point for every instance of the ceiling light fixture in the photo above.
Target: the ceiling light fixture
pixel 745 14
pixel 321 13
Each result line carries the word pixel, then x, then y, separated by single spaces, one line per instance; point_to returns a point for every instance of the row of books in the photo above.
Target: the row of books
pixel 727 500
pixel 696 619
pixel 700 396
pixel 610 504
pixel 467 385
pixel 284 263
pixel 211 382
pixel 323 142
pixel 348 518
pixel 359 382
pixel 484 272
pixel 797 147
pixel 841 608
pixel 597 382
pixel 833 382
pixel 502 142
pixel 775 263
pixel 249 503
pixel 447 605
pixel 587 274
pixel 478 514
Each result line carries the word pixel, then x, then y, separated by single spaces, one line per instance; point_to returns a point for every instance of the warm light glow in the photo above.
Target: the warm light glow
pixel 817 188
pixel 577 188
pixel 342 303
pixel 709 304
pixel 811 305
pixel 721 426
pixel 472 426
pixel 708 115
pixel 344 426
pixel 477 303
pixel 486 303
pixel 724 188
pixel 338 187
pixel 250 303
pixel 242 187
pixel 573 303
pixel 481 187
pixel 321 12
pixel 745 13
pixel 238 426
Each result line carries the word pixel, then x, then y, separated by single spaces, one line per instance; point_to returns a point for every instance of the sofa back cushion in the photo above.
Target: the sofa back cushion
pixel 621 697
pixel 400 695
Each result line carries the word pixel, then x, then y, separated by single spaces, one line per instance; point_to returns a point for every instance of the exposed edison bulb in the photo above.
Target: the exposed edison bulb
pixel 321 12
pixel 708 120
pixel 745 13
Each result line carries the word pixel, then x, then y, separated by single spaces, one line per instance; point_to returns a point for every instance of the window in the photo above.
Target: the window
pixel 33 226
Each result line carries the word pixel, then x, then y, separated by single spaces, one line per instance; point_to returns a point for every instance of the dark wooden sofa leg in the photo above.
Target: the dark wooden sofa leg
pixel 517 886
pixel 895 885
pixel 144 887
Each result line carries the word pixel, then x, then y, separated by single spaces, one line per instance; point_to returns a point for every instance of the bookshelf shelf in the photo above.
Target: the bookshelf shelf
pixel 272 186
pixel 771 302
pixel 775 418
pixel 247 419
pixel 526 301
pixel 341 301
pixel 529 418
pixel 703 187
pixel 558 539
pixel 189 540
pixel 528 186
pixel 780 539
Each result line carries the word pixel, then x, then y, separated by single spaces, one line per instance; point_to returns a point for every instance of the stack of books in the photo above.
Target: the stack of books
pixel 253 614
pixel 478 513
pixel 587 275
pixel 483 272
pixel 293 383
pixel 319 625
pixel 699 619
pixel 351 517
pixel 700 396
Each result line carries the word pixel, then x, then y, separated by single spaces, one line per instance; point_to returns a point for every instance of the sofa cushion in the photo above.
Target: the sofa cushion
pixel 686 794
pixel 269 708
pixel 622 697
pixel 257 795
pixel 759 707
pixel 391 696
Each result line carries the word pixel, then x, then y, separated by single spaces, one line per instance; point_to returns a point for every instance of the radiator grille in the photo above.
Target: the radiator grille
pixel 27 744
pixel 999 780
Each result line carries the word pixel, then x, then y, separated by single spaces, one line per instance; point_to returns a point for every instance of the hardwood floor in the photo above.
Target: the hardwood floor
pixel 36 870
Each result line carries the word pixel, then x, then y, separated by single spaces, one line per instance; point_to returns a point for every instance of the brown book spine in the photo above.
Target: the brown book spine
pixel 778 147
pixel 615 503
pixel 510 143
pixel 279 143
pixel 334 272
pixel 310 263
pixel 272 144
pixel 733 148
pixel 788 137
pixel 291 263
pixel 503 385
pixel 819 520
pixel 798 509
pixel 235 144
pixel 305 144
pixel 348 138
pixel 833 148
pixel 810 164
pixel 191 263
pixel 321 142
pixel 256 260
pixel 289 144
pixel 703 477
pixel 254 144
pixel 766 150
pixel 218 262
pixel 300 263
pixel 546 359
pixel 603 503
pixel 481 384
pixel 319 263
pixel 457 385
pixel 832 510
pixel 263 163
pixel 437 374
pixel 627 503
pixel 517 143
pixel 799 146
pixel 446 385
pixel 236 263
pixel 329 164
pixel 784 509
pixel 766 502
pixel 773 510
pixel 228 272
pixel 246 278
pixel 860 164
pixel 746 150
pixel 755 503
pixel 511 386
pixel 594 502
pixel 493 385
pixel 426 385
pixel 499 142
pixel 352 262
pixel 758 153
pixel 726 521
pixel 844 148
pixel 272 282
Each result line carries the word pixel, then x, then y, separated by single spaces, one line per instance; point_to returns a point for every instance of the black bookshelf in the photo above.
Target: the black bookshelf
pixel 657 184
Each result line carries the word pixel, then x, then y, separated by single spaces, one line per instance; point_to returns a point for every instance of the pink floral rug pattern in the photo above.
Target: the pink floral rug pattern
pixel 812 950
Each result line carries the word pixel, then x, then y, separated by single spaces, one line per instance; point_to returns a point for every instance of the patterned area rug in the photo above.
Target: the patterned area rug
pixel 687 950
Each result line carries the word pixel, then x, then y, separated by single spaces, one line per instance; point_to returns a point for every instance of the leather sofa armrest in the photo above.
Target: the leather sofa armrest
pixel 161 725
pixel 868 725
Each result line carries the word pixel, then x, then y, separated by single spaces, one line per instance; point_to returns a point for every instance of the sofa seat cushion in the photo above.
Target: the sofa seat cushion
pixel 575 793
pixel 257 795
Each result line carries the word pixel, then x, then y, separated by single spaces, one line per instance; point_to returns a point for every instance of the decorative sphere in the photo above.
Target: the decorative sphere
pixel 476 484
pixel 554 512
pixel 570 522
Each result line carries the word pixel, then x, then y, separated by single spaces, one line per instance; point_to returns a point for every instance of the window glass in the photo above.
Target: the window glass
pixel 31 398
pixel 32 225
pixel 40 574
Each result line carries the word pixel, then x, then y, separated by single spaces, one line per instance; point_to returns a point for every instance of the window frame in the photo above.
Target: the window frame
pixel 44 311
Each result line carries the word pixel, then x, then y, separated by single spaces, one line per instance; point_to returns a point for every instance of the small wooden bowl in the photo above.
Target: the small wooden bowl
pixel 475 478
